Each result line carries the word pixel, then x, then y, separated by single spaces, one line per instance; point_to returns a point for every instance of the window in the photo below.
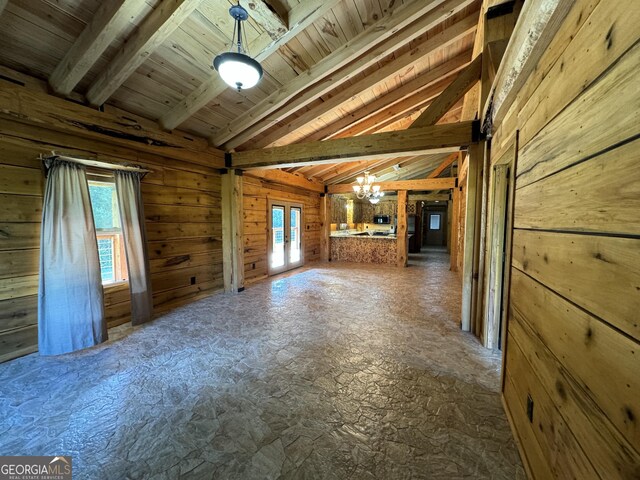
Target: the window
pixel 434 222
pixel 104 203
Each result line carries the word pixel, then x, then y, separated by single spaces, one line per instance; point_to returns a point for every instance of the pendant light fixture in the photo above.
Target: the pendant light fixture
pixel 366 189
pixel 238 69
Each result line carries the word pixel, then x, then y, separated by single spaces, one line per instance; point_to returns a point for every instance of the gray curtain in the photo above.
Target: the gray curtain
pixel 135 244
pixel 70 306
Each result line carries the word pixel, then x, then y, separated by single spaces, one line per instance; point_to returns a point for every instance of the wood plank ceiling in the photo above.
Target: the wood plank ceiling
pixel 333 68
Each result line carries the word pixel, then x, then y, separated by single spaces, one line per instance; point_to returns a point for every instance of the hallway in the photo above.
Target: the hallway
pixel 334 372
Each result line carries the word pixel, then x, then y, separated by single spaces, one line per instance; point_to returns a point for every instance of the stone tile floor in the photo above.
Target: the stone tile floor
pixel 340 371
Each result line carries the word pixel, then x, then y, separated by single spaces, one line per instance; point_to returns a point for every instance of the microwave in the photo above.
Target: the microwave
pixel 381 219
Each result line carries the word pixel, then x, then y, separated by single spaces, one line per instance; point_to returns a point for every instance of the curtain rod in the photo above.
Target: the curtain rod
pixel 98 164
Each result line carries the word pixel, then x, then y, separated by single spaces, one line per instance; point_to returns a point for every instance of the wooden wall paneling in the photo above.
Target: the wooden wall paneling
pixel 559 446
pixel 21 105
pixel 325 218
pixel 606 202
pixel 589 348
pixel 535 464
pixel 608 450
pixel 256 193
pixel 184 241
pixel 597 121
pixel 598 273
pixel 586 60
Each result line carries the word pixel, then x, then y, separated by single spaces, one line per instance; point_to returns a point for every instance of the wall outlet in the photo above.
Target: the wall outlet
pixel 530 408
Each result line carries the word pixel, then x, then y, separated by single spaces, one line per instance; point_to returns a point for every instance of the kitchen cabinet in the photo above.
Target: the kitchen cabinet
pixel 338 209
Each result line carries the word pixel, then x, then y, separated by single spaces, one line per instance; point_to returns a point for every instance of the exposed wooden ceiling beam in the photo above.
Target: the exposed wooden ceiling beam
pixel 409 89
pixel 378 41
pixel 451 95
pixel 434 139
pixel 155 29
pixel 445 163
pixel 432 46
pixel 267 17
pixel 415 185
pixel 300 17
pixel 286 178
pixel 107 23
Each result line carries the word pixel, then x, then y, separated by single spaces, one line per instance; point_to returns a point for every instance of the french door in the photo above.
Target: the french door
pixel 285 236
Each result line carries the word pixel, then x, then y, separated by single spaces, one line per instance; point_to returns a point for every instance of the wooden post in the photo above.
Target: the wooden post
pixel 455 229
pixel 473 159
pixel 232 231
pixel 402 242
pixel 479 255
pixel 325 218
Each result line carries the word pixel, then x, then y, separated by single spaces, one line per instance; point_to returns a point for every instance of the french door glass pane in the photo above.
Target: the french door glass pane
pixel 277 228
pixel 295 251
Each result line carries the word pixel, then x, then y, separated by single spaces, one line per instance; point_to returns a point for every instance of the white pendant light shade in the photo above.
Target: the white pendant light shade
pixel 238 70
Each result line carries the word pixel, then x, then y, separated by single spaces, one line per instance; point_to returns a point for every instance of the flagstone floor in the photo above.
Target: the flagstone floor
pixel 338 371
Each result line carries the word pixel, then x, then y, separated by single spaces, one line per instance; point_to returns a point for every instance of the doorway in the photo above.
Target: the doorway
pixel 499 233
pixel 435 227
pixel 285 246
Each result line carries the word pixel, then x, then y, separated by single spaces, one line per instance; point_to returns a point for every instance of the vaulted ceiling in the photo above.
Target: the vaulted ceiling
pixel 333 68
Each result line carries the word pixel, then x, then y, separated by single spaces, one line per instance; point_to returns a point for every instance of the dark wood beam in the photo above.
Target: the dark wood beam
pixel 445 138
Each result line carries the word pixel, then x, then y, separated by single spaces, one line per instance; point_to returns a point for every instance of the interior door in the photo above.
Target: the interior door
pixel 436 222
pixel 285 237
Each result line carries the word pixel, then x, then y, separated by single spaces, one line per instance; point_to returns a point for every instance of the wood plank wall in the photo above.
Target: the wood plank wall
pixel 573 342
pixel 257 192
pixel 182 209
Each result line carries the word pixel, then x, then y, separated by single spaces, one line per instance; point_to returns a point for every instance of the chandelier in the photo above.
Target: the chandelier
pixel 237 69
pixel 366 189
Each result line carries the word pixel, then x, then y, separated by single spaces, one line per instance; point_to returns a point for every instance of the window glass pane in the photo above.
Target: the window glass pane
pixel 434 222
pixel 296 250
pixel 105 251
pixel 104 205
pixel 277 227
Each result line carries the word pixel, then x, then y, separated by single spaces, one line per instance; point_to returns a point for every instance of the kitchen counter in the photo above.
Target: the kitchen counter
pixel 361 247
pixel 362 234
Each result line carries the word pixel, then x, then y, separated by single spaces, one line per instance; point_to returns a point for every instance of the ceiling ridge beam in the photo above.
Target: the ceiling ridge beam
pixel 153 31
pixel 300 17
pixel 451 95
pixel 382 38
pixel 419 185
pixel 407 60
pixel 108 22
pixel 410 142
